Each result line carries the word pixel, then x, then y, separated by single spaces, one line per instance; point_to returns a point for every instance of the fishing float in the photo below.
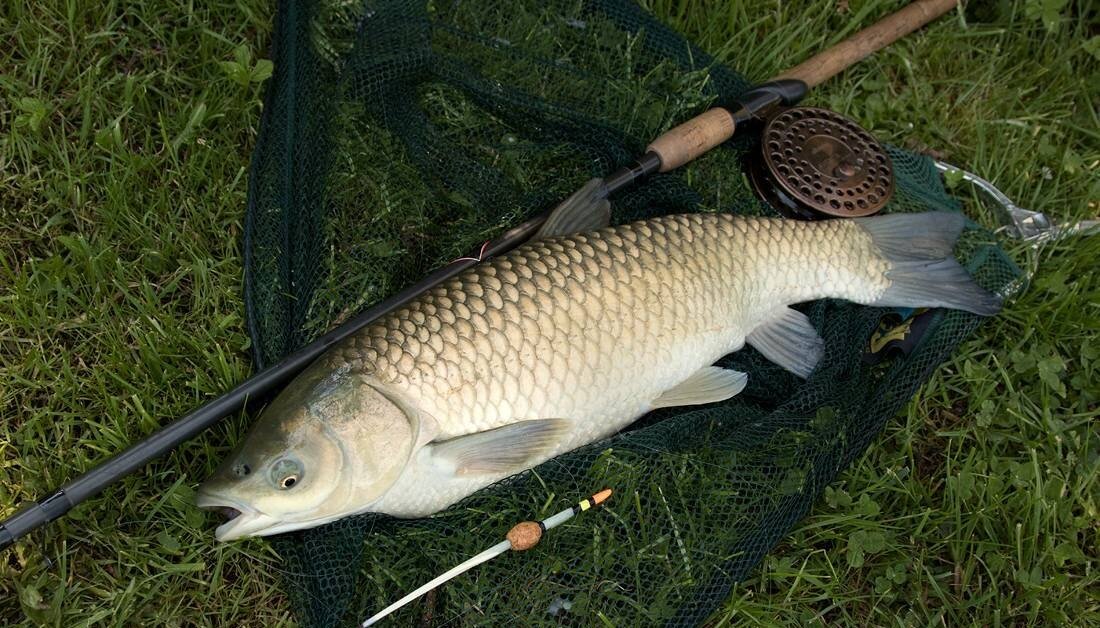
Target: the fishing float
pixel 523 536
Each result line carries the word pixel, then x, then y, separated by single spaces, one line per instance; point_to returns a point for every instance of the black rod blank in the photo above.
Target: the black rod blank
pixel 90 483
pixel 37 514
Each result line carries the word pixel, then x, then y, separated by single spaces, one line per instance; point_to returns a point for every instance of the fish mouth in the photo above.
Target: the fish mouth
pixel 241 519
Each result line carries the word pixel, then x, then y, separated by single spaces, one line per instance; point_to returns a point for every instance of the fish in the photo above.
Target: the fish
pixel 561 342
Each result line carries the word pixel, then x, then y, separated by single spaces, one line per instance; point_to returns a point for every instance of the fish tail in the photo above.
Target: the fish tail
pixel 923 271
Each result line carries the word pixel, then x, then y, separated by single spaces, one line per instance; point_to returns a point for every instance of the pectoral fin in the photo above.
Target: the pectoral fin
pixel 586 210
pixel 507 449
pixel 707 385
pixel 789 340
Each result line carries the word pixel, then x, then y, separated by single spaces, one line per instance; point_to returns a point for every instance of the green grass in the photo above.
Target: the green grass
pixel 125 133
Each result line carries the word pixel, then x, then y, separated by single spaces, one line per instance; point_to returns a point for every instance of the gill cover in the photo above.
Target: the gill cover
pixel 328 444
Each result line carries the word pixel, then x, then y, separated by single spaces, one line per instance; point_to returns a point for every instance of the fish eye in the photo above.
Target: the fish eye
pixel 286 473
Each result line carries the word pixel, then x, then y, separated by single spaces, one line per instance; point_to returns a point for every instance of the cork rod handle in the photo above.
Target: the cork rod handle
pixel 828 63
pixel 685 142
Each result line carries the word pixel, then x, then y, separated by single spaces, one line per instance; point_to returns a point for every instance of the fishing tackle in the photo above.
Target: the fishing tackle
pixel 814 163
pixel 669 151
pixel 523 536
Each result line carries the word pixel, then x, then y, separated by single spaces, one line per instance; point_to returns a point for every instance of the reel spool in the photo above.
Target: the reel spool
pixel 814 163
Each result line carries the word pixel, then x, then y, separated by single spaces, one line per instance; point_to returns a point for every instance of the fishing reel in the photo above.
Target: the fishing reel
pixel 813 163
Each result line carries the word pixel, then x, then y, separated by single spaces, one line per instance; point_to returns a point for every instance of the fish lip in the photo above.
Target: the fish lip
pixel 249 521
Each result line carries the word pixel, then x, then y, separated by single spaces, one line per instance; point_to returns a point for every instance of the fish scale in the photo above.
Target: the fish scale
pixel 684 275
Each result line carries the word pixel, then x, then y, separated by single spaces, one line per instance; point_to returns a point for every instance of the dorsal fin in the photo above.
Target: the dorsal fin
pixel 586 210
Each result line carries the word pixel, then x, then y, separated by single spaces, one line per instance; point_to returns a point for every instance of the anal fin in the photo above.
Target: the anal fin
pixel 507 449
pixel 707 385
pixel 789 340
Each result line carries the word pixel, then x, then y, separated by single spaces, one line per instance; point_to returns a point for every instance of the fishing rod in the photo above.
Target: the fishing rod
pixel 673 149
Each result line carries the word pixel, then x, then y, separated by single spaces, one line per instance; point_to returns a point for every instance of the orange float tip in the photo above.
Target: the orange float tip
pixel 601 497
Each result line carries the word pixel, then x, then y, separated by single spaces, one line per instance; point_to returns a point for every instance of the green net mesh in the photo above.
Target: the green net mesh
pixel 399 135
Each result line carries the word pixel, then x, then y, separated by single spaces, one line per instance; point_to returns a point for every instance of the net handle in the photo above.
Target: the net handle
pixel 684 142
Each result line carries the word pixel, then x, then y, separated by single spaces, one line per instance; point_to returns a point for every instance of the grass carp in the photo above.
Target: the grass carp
pixel 563 341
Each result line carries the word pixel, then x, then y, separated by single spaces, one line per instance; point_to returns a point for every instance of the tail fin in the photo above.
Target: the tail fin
pixel 923 270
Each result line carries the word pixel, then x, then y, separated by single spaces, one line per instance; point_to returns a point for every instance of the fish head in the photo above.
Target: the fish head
pixel 328 446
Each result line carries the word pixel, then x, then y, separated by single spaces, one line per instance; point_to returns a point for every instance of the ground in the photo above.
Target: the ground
pixel 125 134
